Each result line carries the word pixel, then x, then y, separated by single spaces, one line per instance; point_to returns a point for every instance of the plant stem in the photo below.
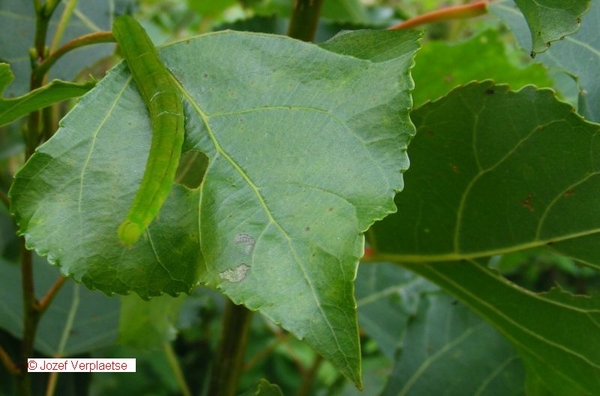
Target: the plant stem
pixel 303 24
pixel 31 317
pixel 229 359
pixel 309 378
pixel 47 299
pixel 8 362
pixel 174 363
pixel 4 199
pixel 88 39
pixel 454 12
pixel 62 24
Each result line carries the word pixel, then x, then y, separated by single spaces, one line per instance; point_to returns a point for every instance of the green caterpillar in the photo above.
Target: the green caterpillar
pixel 163 100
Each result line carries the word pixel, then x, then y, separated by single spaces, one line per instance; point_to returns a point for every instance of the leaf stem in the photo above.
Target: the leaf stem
pixel 176 367
pixel 309 378
pixel 4 199
pixel 8 362
pixel 229 359
pixel 31 317
pixel 304 20
pixel 88 39
pixel 453 12
pixel 47 299
pixel 62 24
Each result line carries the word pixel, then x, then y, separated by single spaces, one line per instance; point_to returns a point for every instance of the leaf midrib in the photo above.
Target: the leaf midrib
pixel 205 119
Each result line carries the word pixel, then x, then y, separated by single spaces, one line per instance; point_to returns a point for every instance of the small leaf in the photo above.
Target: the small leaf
pixel 148 324
pixel 577 54
pixel 548 20
pixel 54 92
pixel 264 388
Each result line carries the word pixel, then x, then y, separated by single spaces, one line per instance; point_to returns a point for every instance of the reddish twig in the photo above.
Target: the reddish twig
pixel 454 12
pixel 8 362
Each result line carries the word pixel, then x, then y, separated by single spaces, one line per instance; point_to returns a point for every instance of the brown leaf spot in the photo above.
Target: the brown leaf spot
pixel 527 203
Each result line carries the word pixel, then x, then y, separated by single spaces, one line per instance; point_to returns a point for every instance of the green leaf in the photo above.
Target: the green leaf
pixel 276 223
pixel 19 16
pixel 56 91
pixel 264 388
pixel 507 185
pixel 554 333
pixel 482 184
pixel 481 57
pixel 148 324
pixel 451 351
pixel 577 54
pixel 77 321
pixel 387 296
pixel 352 11
pixel 548 20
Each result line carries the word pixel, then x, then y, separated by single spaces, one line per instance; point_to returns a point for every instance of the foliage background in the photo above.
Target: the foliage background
pixel 415 338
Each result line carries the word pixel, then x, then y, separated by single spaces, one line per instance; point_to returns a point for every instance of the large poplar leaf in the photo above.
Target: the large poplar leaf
pixel 495 171
pixel 548 20
pixel 306 149
pixel 577 54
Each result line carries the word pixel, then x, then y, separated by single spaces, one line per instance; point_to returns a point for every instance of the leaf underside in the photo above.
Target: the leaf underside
pixel 306 149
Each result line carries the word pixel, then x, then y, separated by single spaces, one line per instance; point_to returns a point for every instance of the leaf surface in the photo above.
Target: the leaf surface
pixel 306 149
pixel 577 54
pixel 77 321
pixel 483 56
pixel 548 20
pixel 495 171
pixel 54 92
pixel 449 350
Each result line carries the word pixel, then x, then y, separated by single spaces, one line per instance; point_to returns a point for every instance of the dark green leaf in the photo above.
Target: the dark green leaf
pixel 387 296
pixel 495 171
pixel 554 333
pixel 448 350
pixel 77 321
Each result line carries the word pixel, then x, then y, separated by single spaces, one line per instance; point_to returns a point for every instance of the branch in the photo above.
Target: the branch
pixel 454 12
pixel 4 199
pixel 47 299
pixel 303 24
pixel 88 39
pixel 228 362
pixel 8 362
